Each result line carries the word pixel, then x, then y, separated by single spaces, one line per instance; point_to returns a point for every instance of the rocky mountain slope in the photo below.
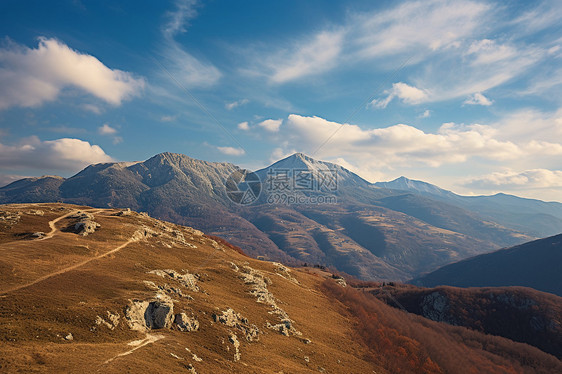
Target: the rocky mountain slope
pixel 109 290
pixel 359 228
pixel 537 264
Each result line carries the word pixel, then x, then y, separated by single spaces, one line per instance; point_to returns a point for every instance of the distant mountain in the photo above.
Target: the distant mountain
pixel 537 264
pixel 334 218
pixel 517 313
pixel 532 217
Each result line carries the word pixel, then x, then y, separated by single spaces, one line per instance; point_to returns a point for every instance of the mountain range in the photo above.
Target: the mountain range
pixel 374 231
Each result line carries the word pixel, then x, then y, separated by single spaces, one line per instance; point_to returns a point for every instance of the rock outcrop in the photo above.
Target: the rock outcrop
pixel 185 323
pixel 150 315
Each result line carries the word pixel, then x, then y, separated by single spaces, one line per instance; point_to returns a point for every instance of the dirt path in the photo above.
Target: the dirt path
pixel 70 268
pixel 52 224
pixel 137 344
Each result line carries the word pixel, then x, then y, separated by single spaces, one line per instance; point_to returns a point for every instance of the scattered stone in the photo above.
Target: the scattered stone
pixel 69 337
pixel 232 319
pixel 113 320
pixel 190 368
pixel 38 235
pixel 234 340
pixel 36 212
pixel 186 279
pixel 143 233
pixel 284 272
pixel 185 323
pixel 259 284
pixel 124 212
pixel 176 356
pixel 307 359
pixel 196 358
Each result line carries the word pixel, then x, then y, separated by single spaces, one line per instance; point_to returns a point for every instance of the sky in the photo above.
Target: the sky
pixel 463 94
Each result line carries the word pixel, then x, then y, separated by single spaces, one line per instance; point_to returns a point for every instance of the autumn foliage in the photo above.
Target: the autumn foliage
pixel 402 342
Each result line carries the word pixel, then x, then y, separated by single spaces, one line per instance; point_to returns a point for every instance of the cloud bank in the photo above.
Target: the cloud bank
pixel 30 77
pixel 66 154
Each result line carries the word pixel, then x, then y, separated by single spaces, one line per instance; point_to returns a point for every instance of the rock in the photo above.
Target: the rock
pixel 86 227
pixel 69 337
pixel 185 323
pixel 124 212
pixel 435 306
pixel 150 315
pixel 186 279
pixel 259 284
pixel 113 320
pixel 38 235
pixel 232 319
pixel 234 340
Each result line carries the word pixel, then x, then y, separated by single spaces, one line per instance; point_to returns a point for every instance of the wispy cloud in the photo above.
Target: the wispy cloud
pixel 408 94
pixel 311 57
pixel 32 76
pixel 509 179
pixel 110 131
pixel 478 99
pixel 231 151
pixel 182 65
pixel 236 104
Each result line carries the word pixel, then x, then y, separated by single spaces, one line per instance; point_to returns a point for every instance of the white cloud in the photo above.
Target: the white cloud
pixel 231 151
pixel 478 99
pixel 408 94
pixel 406 146
pixel 60 154
pixel 30 77
pixel 425 114
pixel 110 131
pixel 307 58
pixel 106 130
pixel 235 104
pixel 178 19
pixel 244 126
pixel 92 108
pixel 168 118
pixel 509 179
pixel 186 69
pixel 416 26
pixel 183 67
pixel 271 125
pixel 529 123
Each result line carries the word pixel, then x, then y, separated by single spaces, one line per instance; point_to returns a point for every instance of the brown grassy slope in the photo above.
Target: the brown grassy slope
pixel 60 285
pixel 34 319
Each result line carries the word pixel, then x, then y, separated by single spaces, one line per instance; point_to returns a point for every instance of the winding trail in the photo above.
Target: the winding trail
pixel 70 268
pixel 137 344
pixel 52 223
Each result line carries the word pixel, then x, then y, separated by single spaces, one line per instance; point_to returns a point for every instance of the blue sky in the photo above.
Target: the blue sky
pixel 463 94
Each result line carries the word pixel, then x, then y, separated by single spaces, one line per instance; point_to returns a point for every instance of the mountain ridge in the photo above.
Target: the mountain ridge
pixel 401 236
